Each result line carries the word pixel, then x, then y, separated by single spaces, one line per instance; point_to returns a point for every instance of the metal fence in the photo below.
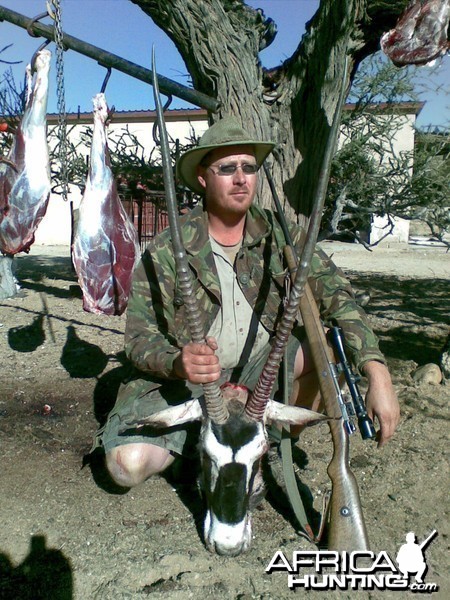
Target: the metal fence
pixel 149 215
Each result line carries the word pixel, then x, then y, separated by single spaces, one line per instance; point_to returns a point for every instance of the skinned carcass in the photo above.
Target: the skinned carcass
pixel 25 174
pixel 420 35
pixel 105 247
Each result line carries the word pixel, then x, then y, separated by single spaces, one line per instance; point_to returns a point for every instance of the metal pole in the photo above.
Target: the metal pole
pixel 106 59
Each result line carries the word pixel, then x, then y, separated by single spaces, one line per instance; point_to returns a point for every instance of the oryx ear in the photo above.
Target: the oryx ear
pixel 175 415
pixel 291 415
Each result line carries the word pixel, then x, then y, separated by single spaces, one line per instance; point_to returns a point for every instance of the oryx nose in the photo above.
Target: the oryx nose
pixel 224 550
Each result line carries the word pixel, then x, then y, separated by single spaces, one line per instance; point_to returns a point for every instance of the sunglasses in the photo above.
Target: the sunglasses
pixel 231 168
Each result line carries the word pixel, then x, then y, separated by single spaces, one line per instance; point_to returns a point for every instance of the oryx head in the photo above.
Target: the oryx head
pixel 231 448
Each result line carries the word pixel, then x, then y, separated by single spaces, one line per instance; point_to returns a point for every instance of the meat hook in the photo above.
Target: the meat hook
pixel 105 81
pixel 33 58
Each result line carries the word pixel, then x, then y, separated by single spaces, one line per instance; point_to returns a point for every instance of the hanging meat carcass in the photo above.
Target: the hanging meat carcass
pixel 105 247
pixel 420 35
pixel 25 173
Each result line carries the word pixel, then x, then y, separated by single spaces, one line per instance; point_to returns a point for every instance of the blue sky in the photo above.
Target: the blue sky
pixel 122 28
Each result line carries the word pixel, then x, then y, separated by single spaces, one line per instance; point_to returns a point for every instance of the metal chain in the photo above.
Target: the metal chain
pixel 62 118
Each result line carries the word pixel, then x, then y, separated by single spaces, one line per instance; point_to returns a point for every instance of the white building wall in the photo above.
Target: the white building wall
pixel 381 225
pixel 55 228
pixel 402 141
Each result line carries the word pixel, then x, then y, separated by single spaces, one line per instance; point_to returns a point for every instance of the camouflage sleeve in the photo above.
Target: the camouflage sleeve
pixel 148 343
pixel 337 305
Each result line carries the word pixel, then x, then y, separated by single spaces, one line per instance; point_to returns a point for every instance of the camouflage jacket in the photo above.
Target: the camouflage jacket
pixel 156 326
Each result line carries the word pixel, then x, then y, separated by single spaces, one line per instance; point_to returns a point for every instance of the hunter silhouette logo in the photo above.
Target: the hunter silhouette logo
pixel 358 570
pixel 411 559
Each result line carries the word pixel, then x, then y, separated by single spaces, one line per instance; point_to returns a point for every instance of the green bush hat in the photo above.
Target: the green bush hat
pixel 226 132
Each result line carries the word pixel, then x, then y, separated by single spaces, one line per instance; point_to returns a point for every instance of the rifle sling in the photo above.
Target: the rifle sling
pixel 288 468
pixel 287 462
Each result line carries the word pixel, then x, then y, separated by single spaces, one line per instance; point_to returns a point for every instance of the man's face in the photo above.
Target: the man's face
pixel 228 195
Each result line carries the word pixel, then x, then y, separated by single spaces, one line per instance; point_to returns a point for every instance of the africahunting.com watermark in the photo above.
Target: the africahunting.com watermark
pixel 359 570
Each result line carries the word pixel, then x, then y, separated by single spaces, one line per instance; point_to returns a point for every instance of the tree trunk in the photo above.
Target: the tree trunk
pixel 293 104
pixel 8 286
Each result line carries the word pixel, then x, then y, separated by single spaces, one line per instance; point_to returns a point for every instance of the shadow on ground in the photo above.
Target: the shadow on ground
pixel 415 313
pixel 36 268
pixel 45 574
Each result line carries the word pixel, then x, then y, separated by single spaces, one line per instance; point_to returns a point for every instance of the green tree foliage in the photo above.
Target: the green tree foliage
pixel 12 102
pixel 430 181
pixel 137 171
pixel 369 177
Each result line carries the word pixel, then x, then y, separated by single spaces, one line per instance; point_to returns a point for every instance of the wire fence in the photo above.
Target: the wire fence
pixel 149 215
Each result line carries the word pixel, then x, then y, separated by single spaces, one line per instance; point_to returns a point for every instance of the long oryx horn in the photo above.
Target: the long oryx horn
pixel 256 405
pixel 215 406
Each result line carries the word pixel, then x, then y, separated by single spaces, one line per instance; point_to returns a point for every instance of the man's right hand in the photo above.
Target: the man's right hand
pixel 198 363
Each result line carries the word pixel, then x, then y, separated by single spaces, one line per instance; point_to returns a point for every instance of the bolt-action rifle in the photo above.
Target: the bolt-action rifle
pixel 346 526
pixel 347 530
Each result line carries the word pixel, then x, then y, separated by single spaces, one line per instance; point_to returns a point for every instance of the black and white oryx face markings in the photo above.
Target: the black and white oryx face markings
pixel 245 449
pixel 231 457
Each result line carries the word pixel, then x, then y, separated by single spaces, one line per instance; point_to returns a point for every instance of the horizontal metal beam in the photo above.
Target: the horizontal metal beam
pixel 106 59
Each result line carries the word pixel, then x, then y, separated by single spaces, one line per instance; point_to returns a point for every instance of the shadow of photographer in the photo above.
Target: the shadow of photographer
pixel 45 574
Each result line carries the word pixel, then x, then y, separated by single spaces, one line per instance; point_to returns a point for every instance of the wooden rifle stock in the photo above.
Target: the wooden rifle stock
pixel 347 530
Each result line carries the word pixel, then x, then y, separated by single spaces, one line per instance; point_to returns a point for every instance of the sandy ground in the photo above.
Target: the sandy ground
pixel 67 532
